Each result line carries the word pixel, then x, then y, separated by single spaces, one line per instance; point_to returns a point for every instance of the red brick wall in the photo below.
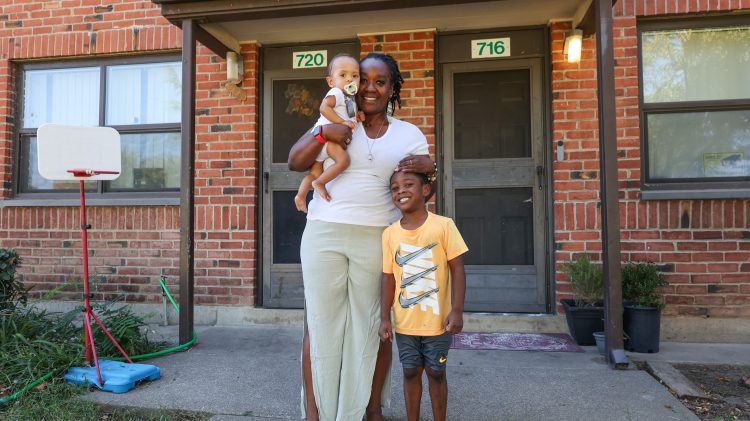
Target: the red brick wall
pixel 703 246
pixel 226 167
pixel 132 245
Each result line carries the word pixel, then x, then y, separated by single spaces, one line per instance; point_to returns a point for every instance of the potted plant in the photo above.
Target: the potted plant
pixel 584 313
pixel 643 304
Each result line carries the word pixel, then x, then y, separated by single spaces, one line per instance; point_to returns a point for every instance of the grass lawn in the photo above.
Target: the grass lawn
pixel 58 401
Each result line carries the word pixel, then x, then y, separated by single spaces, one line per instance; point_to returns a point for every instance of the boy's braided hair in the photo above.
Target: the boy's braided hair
pixel 422 176
pixel 396 77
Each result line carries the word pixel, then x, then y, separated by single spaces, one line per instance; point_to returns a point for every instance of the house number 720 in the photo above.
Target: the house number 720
pixel 308 59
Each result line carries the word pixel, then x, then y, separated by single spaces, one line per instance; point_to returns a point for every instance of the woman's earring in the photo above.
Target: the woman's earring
pixel 389 111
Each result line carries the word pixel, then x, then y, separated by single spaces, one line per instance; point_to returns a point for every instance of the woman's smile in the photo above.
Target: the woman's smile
pixel 374 86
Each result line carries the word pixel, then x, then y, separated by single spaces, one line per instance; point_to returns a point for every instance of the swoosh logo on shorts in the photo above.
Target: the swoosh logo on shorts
pixel 406 258
pixel 408 302
pixel 442 360
pixel 405 282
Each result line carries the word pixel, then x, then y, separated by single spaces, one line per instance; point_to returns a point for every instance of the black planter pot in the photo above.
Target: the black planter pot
pixel 583 321
pixel 643 326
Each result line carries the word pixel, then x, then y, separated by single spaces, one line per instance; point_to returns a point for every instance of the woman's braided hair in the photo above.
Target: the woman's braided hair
pixel 396 79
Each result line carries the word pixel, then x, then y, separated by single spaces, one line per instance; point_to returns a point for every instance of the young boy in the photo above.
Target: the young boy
pixel 338 106
pixel 421 251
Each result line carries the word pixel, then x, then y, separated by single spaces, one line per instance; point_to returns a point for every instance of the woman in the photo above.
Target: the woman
pixel 341 248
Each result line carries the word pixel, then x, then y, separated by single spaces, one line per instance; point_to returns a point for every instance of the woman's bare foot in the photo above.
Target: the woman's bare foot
pixel 320 188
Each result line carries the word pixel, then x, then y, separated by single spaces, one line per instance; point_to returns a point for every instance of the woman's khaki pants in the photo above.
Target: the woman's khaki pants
pixel 342 268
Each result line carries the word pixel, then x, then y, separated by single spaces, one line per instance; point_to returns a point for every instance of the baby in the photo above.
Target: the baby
pixel 338 106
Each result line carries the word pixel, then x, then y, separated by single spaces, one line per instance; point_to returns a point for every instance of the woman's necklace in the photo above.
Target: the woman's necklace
pixel 371 144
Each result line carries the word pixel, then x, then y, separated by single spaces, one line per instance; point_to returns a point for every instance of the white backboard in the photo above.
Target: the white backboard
pixel 61 148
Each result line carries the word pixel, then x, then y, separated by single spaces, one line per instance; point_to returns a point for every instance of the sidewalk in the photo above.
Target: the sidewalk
pixel 252 373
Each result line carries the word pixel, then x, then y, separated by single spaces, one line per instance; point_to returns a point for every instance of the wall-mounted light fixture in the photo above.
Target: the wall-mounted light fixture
pixel 235 71
pixel 572 49
pixel 234 68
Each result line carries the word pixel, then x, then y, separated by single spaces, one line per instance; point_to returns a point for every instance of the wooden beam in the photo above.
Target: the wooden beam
pixel 585 18
pixel 213 43
pixel 187 181
pixel 218 32
pixel 220 47
pixel 605 67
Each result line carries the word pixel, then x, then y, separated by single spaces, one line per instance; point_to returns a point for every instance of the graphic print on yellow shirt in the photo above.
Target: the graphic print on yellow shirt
pixel 414 277
pixel 418 260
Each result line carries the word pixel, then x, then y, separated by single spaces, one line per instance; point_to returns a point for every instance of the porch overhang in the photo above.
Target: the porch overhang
pixel 222 25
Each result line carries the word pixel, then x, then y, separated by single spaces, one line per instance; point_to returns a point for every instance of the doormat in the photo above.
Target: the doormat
pixel 546 342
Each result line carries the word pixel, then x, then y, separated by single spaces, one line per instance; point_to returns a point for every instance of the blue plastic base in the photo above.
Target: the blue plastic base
pixel 118 377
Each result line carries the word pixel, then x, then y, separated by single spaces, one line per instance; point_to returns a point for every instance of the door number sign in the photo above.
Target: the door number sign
pixel 490 48
pixel 309 59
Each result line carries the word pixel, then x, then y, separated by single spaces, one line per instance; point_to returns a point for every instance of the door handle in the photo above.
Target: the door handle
pixel 266 177
pixel 539 175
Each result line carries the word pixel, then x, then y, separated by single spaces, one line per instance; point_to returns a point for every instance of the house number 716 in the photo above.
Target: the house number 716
pixel 490 48
pixel 496 48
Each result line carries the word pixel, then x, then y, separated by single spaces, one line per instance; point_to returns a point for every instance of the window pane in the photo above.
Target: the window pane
pixel 493 114
pixel 296 105
pixel 699 144
pixel 288 224
pixel 497 225
pixel 32 182
pixel 63 96
pixel 144 93
pixel 696 64
pixel 149 162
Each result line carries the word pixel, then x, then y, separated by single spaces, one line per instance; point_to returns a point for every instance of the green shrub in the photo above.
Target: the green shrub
pixel 585 281
pixel 640 283
pixel 34 342
pixel 12 292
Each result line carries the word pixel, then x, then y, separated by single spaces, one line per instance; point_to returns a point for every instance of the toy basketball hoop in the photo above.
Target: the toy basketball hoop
pixel 82 153
pixel 62 149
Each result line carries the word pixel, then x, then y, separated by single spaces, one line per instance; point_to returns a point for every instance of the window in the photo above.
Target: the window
pixel 140 98
pixel 695 105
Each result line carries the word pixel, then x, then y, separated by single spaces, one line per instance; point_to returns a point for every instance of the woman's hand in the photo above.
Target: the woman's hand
pixel 306 149
pixel 417 163
pixel 338 133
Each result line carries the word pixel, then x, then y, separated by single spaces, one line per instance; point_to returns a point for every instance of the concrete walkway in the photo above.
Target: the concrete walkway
pixel 252 373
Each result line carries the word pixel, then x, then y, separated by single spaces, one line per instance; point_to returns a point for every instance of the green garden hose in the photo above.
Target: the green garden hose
pixel 28 387
pixel 39 381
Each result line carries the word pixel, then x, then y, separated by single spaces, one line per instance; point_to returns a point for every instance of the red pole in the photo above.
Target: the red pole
pixel 90 336
pixel 85 243
pixel 89 340
pixel 86 304
pixel 88 313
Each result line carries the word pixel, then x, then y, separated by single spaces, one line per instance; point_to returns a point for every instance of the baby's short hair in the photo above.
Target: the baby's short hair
pixel 337 56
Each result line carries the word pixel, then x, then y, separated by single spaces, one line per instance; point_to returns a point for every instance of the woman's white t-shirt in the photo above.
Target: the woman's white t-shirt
pixel 361 194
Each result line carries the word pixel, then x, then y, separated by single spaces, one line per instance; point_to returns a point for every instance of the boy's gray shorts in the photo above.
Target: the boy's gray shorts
pixel 418 351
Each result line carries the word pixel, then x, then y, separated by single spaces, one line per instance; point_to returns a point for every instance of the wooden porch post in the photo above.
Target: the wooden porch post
pixel 187 181
pixel 605 66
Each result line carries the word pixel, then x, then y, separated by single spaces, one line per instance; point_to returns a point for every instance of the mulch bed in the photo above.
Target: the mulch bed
pixel 728 389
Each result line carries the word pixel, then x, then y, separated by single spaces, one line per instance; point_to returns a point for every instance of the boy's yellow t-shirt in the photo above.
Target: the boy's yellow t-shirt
pixel 418 260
